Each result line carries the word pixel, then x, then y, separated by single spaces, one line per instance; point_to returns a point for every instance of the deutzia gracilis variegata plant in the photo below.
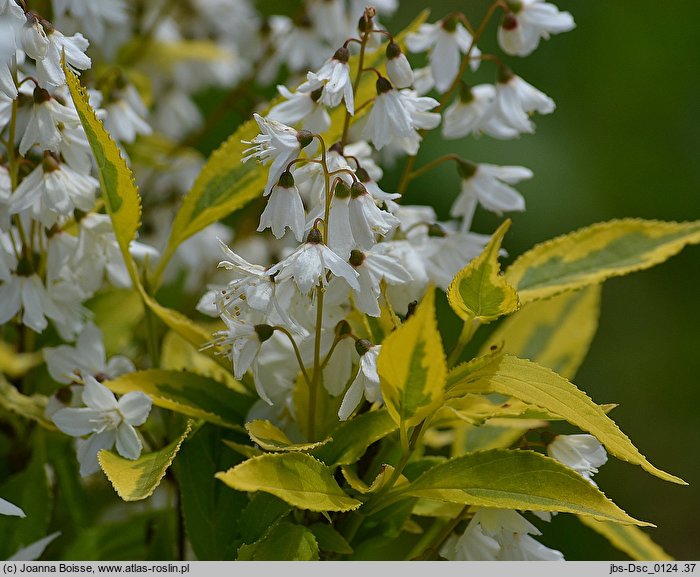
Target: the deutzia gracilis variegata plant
pixel 300 401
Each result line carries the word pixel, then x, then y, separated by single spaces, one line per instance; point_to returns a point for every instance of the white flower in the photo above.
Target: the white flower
pixel 125 115
pixel 515 101
pixel 488 185
pixel 45 116
pixel 366 382
pixel 35 550
pixel 468 112
pixel 107 421
pixel 278 142
pixel 330 19
pixel 519 547
pixel 284 209
pixel 397 66
pixel 68 364
pixel 396 115
pixel 447 41
pixel 49 69
pixel 296 44
pixel 366 219
pixel 28 294
pixel 95 17
pixel 373 268
pixel 308 265
pixel 472 545
pixel 528 22
pixel 34 40
pixel 301 106
pixel 176 114
pixel 7 508
pixel 334 78
pixel 583 453
pixel 58 189
pixel 12 20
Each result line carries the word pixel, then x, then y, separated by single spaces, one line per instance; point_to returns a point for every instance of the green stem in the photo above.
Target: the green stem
pixel 442 537
pixel 433 164
pixel 296 352
pixel 468 330
pixel 426 539
pixel 355 84
pixel 313 387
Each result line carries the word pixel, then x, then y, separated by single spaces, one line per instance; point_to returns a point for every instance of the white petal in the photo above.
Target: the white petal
pixel 135 407
pixel 7 508
pixel 352 398
pixel 128 442
pixel 87 451
pixel 76 422
pixel 35 550
pixel 97 396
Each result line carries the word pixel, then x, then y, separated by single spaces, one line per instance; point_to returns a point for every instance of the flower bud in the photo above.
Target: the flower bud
pixel 383 85
pixel 509 22
pixel 342 190
pixel 466 169
pixel 342 55
pixel 343 329
pixel 397 66
pixel 41 95
pixel 358 189
pixel 357 257
pixel 286 180
pixel 362 174
pixel 305 138
pixel 314 236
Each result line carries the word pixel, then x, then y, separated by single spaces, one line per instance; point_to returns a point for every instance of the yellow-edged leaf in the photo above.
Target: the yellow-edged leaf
pixel 540 386
pixel 556 332
pixel 515 480
pixel 136 480
pixel 412 366
pixel 271 438
pixel 30 407
pixel 592 254
pixel 119 190
pixel 628 539
pixel 296 478
pixel 225 184
pixel 15 364
pixel 380 481
pixel 479 291
pixel 189 394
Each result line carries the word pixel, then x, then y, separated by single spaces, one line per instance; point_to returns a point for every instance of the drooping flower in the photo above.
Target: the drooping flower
pixel 583 453
pixel 277 142
pixel 45 117
pixel 529 21
pixel 284 209
pixel 447 41
pixel 488 185
pixel 48 68
pixel 397 66
pixel 308 265
pixel 469 111
pixel 95 17
pixel 366 383
pixel 301 106
pixel 11 21
pixel 107 421
pixel 126 114
pixel 334 80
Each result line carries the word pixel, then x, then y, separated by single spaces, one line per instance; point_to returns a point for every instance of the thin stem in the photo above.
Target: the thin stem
pixel 355 84
pixel 296 351
pixel 468 330
pixel 341 171
pixel 300 161
pixel 392 314
pixel 313 387
pixel 433 164
pixel 443 536
pixel 330 352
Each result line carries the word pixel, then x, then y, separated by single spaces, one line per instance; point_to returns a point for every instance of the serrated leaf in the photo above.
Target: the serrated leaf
pixel 598 252
pixel 211 511
pixel 538 385
pixel 296 478
pixel 556 332
pixel 225 184
pixel 412 366
pixel 285 542
pixel 479 291
pixel 271 438
pixel 329 539
pixel 28 406
pixel 189 394
pixel 628 539
pixel 351 439
pixel 136 480
pixel 119 190
pixel 515 480
pixel 263 511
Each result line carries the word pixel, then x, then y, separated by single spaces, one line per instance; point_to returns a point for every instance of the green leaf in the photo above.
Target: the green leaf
pixel 351 439
pixel 329 539
pixel 263 512
pixel 601 251
pixel 211 511
pixel 118 312
pixel 271 438
pixel 136 480
pixel 556 332
pixel 119 190
pixel 296 478
pixel 479 291
pixel 412 367
pixel 225 184
pixel 540 386
pixel 284 542
pixel 629 539
pixel 515 480
pixel 30 407
pixel 31 492
pixel 192 395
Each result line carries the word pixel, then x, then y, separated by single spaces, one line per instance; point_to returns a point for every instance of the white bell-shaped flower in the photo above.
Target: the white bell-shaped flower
pixel 301 107
pixel 334 79
pixel 583 453
pixel 284 209
pixel 34 41
pixel 12 20
pixel 48 68
pixel 125 115
pixel 45 116
pixel 366 383
pixel 397 66
pixel 469 112
pixel 528 22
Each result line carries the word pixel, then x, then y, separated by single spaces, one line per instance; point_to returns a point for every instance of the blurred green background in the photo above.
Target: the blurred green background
pixel 623 142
